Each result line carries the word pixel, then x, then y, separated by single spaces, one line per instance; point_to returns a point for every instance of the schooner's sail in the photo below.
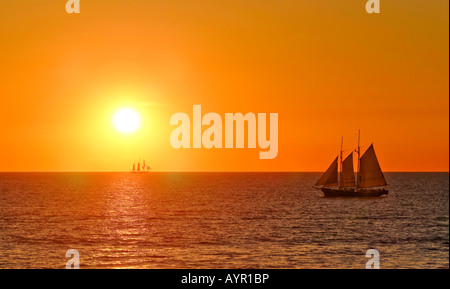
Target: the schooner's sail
pixel 330 177
pixel 343 184
pixel 348 173
pixel 370 174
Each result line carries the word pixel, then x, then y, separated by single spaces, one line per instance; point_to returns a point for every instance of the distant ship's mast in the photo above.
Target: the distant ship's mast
pixel 342 164
pixel 359 159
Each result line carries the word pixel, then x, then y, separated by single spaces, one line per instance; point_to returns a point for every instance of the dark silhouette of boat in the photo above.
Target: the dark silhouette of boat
pixel 140 168
pixel 369 181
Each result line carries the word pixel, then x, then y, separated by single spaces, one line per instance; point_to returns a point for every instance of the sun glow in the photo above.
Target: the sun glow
pixel 127 120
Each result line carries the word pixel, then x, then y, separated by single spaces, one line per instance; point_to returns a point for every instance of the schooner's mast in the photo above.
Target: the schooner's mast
pixel 359 159
pixel 342 164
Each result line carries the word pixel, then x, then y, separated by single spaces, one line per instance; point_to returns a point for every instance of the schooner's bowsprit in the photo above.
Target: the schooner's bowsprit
pixel 369 181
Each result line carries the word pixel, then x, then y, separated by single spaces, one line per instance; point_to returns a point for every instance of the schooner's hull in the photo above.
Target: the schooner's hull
pixel 337 193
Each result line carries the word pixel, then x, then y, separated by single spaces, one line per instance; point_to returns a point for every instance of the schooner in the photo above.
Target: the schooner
pixel 141 168
pixel 369 181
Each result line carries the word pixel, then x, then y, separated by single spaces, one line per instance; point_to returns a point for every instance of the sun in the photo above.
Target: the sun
pixel 127 120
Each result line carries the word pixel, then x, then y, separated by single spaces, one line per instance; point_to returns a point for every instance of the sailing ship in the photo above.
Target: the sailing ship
pixel 369 181
pixel 140 167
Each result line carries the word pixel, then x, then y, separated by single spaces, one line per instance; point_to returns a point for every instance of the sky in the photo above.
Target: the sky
pixel 326 67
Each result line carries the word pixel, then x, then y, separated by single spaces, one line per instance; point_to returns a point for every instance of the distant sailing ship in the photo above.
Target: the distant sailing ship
pixel 369 182
pixel 141 168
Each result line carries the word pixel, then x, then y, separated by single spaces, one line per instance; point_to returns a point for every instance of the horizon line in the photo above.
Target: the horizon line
pixel 207 172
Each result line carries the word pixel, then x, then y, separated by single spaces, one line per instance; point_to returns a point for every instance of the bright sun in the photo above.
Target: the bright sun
pixel 127 120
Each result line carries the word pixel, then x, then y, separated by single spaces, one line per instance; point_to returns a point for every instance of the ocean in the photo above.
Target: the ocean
pixel 218 220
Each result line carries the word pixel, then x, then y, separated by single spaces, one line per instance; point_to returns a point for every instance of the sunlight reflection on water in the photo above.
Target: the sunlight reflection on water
pixel 218 220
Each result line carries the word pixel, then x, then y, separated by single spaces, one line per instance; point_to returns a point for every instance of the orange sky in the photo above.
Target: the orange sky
pixel 327 67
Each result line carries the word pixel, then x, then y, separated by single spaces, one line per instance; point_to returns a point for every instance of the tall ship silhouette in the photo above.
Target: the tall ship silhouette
pixel 140 167
pixel 339 180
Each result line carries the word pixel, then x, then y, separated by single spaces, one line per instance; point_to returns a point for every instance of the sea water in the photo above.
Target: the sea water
pixel 218 220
